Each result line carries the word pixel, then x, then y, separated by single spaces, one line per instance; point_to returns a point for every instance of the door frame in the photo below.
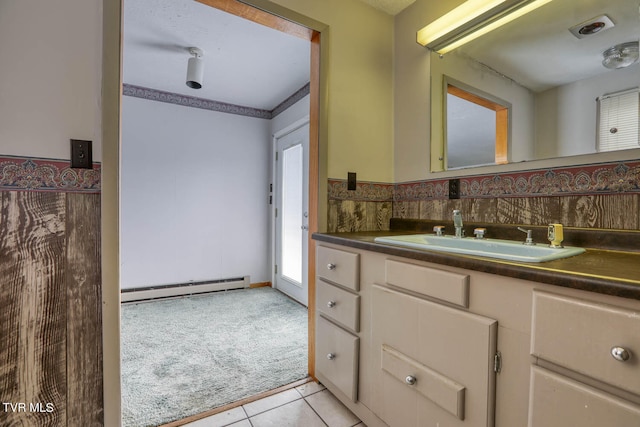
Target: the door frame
pixel 274 179
pixel 111 90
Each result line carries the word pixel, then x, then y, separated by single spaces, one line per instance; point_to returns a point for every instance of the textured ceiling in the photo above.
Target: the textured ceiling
pixel 392 7
pixel 245 63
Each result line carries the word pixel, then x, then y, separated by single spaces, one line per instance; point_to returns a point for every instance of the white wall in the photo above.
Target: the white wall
pixel 194 189
pixel 50 77
pixel 566 116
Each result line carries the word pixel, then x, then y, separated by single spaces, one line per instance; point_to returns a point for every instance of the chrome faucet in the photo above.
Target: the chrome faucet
pixel 457 223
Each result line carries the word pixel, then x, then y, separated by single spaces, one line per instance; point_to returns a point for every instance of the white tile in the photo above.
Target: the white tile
pixel 271 402
pixel 331 410
pixel 295 414
pixel 243 423
pixel 221 419
pixel 309 388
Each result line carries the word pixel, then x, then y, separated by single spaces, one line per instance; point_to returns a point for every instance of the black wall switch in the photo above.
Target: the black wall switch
pixel 454 188
pixel 351 181
pixel 81 154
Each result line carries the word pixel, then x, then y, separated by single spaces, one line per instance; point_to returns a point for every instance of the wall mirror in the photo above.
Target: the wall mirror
pixel 565 95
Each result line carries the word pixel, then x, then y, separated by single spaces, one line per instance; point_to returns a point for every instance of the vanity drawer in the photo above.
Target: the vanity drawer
pixel 340 267
pixel 579 335
pixel 557 401
pixel 339 305
pixel 440 284
pixel 337 356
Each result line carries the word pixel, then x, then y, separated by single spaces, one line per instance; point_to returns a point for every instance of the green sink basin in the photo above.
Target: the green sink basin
pixel 493 248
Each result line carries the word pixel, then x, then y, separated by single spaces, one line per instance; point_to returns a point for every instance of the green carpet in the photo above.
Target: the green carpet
pixel 184 356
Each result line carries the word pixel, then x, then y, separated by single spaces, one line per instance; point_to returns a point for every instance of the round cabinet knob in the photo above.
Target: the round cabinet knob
pixel 331 304
pixel 621 354
pixel 331 266
pixel 331 356
pixel 411 380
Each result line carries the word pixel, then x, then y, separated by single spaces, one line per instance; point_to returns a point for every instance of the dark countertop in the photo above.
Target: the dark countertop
pixel 603 271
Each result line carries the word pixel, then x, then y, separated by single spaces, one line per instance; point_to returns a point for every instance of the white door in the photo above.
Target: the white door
pixel 291 211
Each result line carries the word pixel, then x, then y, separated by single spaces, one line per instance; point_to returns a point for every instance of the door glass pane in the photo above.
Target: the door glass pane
pixel 292 193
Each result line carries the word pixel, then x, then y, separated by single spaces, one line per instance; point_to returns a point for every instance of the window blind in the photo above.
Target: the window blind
pixel 618 119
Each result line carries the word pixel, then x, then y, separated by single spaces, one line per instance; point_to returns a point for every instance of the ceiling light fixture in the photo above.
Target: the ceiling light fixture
pixel 470 20
pixel 195 68
pixel 621 55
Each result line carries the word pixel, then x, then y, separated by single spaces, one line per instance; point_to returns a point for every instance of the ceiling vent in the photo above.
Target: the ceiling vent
pixel 592 26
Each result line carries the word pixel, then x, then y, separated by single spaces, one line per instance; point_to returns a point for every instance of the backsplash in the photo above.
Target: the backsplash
pixel 594 196
pixel 369 207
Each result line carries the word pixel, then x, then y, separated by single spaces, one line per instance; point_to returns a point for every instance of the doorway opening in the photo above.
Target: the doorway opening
pixel 180 157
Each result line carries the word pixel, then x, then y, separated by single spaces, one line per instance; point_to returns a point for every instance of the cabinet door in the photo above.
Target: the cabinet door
pixel 448 352
pixel 557 401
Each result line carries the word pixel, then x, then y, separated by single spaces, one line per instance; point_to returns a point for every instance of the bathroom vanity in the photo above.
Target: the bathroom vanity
pixel 408 337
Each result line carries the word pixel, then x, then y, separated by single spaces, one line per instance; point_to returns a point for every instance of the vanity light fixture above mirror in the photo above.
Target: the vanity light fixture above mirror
pixel 470 20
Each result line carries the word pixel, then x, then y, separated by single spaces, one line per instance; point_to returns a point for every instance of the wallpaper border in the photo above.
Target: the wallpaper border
pixel 38 174
pixel 208 104
pixel 604 178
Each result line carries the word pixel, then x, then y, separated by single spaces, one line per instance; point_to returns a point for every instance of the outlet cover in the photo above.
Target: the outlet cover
pixel 454 188
pixel 81 154
pixel 351 181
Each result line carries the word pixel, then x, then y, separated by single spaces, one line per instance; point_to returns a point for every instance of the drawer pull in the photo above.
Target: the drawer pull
pixel 331 356
pixel 411 380
pixel 621 354
pixel 331 304
pixel 331 266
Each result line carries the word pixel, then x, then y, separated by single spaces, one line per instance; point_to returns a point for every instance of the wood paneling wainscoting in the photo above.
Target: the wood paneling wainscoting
pixel 50 309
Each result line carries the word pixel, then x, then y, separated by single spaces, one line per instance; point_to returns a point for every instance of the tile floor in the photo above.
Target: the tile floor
pixel 308 405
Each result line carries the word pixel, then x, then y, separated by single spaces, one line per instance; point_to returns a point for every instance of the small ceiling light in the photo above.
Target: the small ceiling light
pixel 195 68
pixel 621 55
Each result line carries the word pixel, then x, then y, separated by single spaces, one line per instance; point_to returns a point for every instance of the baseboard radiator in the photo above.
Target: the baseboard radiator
pixel 183 289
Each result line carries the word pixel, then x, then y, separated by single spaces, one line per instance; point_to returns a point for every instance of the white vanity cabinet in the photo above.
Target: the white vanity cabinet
pixel 435 345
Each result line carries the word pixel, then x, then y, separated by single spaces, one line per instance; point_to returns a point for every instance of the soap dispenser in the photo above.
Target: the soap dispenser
pixel 555 235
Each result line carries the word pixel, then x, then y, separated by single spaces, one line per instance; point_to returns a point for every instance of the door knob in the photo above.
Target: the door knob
pixel 331 356
pixel 411 380
pixel 331 266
